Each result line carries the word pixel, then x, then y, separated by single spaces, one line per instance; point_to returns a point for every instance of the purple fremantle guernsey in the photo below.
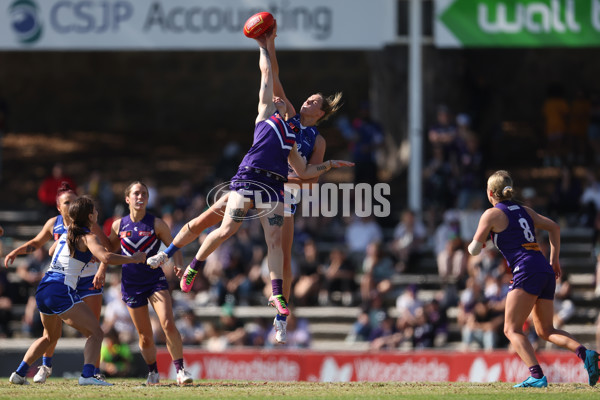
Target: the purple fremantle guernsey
pixel 273 141
pixel 139 236
pixel 517 242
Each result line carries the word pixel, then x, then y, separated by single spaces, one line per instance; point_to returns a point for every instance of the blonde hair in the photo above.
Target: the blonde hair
pixel 500 183
pixel 331 105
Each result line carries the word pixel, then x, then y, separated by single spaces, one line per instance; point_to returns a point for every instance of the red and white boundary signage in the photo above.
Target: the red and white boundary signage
pixel 421 366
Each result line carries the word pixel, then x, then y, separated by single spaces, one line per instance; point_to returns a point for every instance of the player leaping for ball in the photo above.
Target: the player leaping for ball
pixel 262 172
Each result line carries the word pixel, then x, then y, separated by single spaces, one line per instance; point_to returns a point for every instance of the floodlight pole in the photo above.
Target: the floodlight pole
pixel 415 100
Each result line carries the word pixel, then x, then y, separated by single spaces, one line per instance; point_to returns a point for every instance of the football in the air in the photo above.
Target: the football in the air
pixel 258 24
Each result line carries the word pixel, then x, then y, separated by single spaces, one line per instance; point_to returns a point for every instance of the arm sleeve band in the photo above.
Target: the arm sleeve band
pixel 475 247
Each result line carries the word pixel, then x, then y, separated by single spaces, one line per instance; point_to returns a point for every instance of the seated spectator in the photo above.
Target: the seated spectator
pixel 361 328
pixel 452 261
pixel 564 201
pixel 189 327
pixel 359 233
pixel 115 356
pixel 409 238
pixel 385 335
pixel 407 305
pixel 378 270
pixel 308 284
pixel 232 327
pixel 49 187
pixel 482 326
pixel 564 308
pixel 340 277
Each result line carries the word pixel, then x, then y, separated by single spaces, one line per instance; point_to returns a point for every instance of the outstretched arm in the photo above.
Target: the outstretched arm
pixel 266 108
pixel 277 86
pixel 32 245
pixel 107 257
pixel 305 171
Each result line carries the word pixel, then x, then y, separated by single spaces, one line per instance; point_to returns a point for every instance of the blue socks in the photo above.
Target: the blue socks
pixel 172 249
pixel 23 369
pixel 281 317
pixel 96 371
pixel 47 361
pixel 88 370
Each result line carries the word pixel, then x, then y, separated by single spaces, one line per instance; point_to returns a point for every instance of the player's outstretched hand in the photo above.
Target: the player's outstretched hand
pixel 341 163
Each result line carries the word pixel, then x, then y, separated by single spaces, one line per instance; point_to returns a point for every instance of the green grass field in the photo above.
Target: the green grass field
pixel 135 389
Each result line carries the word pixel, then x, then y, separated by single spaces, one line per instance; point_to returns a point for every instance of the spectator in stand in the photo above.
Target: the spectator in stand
pixel 452 261
pixel 378 270
pixel 366 137
pixel 482 325
pixel 385 336
pixel 409 238
pixel 232 327
pixel 555 111
pixel 47 192
pixel 564 201
pixel 593 133
pixel 359 233
pixel 442 135
pixel 361 329
pixel 469 164
pixel 115 356
pixel 439 181
pixel 226 270
pixel 98 188
pixel 190 328
pixel 564 308
pixel 339 276
pixel 407 305
pixel 579 121
pixel 590 198
pixel 308 284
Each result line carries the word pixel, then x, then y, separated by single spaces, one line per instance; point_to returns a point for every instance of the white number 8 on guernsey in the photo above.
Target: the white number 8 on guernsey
pixel 526 230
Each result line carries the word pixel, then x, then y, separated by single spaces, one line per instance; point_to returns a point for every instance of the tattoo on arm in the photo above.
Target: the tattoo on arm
pixel 322 167
pixel 237 214
pixel 276 220
pixel 30 249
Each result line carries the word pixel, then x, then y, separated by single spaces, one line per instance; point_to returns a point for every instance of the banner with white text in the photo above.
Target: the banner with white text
pixel 192 24
pixel 517 23
pixel 417 366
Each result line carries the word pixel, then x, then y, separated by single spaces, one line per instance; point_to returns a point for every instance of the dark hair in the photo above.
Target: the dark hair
pixel 64 188
pixel 132 184
pixel 79 212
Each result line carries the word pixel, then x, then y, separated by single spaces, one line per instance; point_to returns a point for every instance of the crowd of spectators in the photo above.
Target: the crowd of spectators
pixel 339 261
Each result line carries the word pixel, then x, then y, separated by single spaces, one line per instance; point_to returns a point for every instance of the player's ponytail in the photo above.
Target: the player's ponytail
pixel 331 105
pixel 79 212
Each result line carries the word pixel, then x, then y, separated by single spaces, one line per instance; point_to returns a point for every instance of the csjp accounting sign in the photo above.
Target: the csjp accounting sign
pixel 517 23
pixel 192 24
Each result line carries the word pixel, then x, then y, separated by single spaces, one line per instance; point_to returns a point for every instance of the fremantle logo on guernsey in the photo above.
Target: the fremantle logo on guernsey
pixel 315 200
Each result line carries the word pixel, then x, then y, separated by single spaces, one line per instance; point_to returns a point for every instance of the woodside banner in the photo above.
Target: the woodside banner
pixel 192 24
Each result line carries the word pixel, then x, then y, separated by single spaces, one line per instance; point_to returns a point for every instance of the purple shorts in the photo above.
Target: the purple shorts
pixel 137 296
pixel 540 284
pixel 257 187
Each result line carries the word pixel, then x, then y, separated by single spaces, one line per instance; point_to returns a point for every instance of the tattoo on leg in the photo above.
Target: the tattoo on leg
pixel 237 214
pixel 276 220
